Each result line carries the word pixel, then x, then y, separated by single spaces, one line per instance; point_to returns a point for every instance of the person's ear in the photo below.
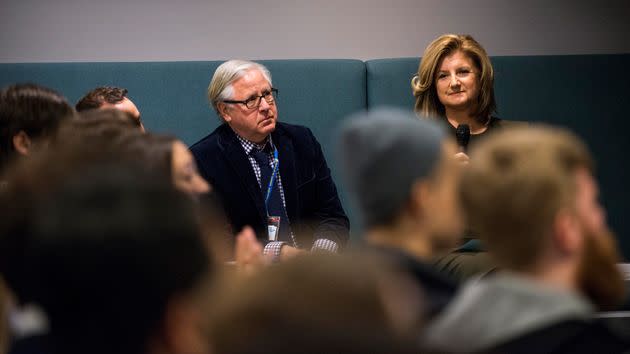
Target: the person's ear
pixel 224 112
pixel 183 327
pixel 567 235
pixel 22 143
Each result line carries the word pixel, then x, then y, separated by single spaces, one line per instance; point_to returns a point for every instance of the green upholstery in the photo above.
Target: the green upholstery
pixel 172 96
pixel 389 82
pixel 584 92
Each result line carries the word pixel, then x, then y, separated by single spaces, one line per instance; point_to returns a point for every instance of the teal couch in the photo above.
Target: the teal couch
pixel 587 93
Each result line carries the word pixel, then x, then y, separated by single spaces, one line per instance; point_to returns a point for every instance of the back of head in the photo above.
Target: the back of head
pixel 111 249
pixel 520 180
pixel 109 113
pixel 101 127
pixel 382 153
pixel 100 96
pixel 107 132
pixel 311 304
pixel 79 146
pixel 153 150
pixel 32 109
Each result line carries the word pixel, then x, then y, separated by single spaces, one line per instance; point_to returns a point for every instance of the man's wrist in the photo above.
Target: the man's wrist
pixel 324 244
pixel 274 249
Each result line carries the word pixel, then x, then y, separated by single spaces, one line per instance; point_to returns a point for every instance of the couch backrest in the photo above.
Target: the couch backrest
pixel 172 95
pixel 586 93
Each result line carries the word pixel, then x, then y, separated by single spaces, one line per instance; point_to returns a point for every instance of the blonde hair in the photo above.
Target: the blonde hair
pixel 220 87
pixel 513 191
pixel 423 84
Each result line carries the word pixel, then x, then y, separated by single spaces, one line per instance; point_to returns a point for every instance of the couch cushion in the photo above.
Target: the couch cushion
pixel 172 95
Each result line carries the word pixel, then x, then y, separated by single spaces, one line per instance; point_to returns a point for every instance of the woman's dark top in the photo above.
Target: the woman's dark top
pixel 493 125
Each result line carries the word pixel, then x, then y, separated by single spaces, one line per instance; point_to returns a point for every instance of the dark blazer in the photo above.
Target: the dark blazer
pixel 311 198
pixel 439 289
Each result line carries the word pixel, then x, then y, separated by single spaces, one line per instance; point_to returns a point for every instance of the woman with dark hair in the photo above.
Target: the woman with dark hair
pixel 116 132
pixel 169 159
pixel 166 155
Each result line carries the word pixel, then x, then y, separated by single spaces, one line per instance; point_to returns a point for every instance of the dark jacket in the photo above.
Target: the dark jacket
pixel 312 203
pixel 438 288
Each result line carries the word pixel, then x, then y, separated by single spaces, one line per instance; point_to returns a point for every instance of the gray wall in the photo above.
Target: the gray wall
pixel 168 30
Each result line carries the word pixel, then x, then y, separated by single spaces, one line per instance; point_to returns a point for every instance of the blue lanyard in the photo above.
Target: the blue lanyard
pixel 272 180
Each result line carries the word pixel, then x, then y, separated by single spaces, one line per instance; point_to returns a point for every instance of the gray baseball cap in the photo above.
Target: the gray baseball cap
pixel 381 154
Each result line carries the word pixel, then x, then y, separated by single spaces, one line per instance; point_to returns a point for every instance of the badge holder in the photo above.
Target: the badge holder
pixel 273 227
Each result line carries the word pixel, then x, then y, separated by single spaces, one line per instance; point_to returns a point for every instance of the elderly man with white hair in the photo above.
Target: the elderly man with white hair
pixel 270 175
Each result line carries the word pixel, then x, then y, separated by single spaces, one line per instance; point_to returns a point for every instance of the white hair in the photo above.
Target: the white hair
pixel 220 87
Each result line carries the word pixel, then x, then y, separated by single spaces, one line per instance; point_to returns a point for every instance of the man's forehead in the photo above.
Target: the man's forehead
pixel 251 82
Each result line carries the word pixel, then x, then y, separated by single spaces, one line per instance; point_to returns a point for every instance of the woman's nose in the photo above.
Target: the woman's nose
pixel 454 81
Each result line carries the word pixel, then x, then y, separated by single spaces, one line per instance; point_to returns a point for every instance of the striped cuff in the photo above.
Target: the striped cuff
pixel 274 248
pixel 323 244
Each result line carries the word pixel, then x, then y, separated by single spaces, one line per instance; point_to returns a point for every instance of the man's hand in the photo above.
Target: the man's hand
pixel 288 252
pixel 248 252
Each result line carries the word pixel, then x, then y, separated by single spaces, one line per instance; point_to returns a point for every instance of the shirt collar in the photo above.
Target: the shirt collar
pixel 249 146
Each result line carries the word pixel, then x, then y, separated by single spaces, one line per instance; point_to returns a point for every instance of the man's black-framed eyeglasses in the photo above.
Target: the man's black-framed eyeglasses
pixel 254 102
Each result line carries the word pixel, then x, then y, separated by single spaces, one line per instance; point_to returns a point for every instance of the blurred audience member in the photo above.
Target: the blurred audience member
pixel 29 115
pixel 118 264
pixel 166 156
pixel 113 130
pixel 401 173
pixel 169 155
pixel 110 113
pixel 533 199
pixel 316 304
pixel 100 128
pixel 110 97
pixel 80 145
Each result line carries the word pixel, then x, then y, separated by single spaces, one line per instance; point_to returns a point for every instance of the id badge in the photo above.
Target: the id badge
pixel 273 226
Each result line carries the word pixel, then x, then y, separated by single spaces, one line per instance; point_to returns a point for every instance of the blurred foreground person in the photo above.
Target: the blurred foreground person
pixel 533 199
pixel 402 174
pixel 316 304
pixel 118 265
pixel 172 157
pixel 112 130
pixel 83 148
